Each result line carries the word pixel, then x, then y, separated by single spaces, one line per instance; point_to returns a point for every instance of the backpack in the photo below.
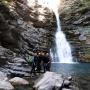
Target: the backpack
pixel 30 60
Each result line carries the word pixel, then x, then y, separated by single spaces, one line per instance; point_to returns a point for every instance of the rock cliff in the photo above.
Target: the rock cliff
pixel 24 29
pixel 76 24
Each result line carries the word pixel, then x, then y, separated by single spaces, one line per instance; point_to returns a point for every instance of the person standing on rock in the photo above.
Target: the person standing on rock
pixel 46 62
pixel 39 62
pixel 34 64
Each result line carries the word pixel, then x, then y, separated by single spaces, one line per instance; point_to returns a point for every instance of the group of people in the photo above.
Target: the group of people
pixel 40 62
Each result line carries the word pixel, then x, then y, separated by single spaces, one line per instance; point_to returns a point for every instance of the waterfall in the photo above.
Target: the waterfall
pixel 63 50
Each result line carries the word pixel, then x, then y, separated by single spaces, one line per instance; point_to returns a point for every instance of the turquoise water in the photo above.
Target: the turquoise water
pixel 71 69
pixel 80 73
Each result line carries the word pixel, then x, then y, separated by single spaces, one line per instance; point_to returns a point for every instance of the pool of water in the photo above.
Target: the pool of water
pixel 71 69
pixel 79 71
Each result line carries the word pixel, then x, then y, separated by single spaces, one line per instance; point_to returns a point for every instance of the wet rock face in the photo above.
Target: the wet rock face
pixel 8 35
pixel 22 31
pixel 5 54
pixel 18 67
pixel 76 25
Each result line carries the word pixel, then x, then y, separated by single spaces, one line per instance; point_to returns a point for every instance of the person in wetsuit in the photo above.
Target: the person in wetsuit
pixel 46 62
pixel 39 62
pixel 34 64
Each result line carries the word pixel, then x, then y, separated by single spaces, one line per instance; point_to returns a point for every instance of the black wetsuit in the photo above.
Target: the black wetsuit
pixel 39 63
pixel 46 63
pixel 34 64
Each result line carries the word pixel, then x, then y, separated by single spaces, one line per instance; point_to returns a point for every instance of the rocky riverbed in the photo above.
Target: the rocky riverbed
pixel 47 81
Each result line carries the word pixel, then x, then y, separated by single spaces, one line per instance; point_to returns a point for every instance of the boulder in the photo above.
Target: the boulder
pixel 3 76
pixel 69 78
pixel 67 83
pixel 18 81
pixel 48 81
pixel 4 85
pixel 5 54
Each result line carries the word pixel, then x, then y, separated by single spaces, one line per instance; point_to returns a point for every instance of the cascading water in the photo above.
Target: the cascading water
pixel 63 50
